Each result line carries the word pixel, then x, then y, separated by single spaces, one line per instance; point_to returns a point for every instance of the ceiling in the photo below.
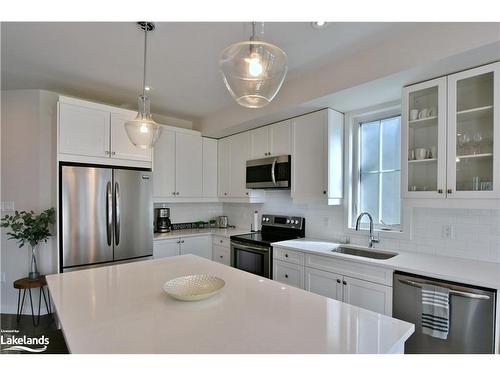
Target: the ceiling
pixel 103 61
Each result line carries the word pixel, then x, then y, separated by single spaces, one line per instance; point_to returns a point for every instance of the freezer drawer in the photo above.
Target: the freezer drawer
pixel 472 316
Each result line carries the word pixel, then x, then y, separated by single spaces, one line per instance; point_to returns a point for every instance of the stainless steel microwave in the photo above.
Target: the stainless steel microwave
pixel 269 173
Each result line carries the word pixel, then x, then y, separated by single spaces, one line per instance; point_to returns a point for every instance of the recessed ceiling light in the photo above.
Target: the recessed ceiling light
pixel 319 25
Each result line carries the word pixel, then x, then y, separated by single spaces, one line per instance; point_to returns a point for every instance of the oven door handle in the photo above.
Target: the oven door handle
pixel 249 247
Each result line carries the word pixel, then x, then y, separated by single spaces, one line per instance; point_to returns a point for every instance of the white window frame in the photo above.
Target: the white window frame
pixel 353 121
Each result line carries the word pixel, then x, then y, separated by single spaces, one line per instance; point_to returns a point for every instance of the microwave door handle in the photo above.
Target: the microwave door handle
pixel 273 171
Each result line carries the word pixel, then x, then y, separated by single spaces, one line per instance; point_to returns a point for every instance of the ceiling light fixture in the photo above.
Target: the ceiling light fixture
pixel 319 24
pixel 253 71
pixel 143 131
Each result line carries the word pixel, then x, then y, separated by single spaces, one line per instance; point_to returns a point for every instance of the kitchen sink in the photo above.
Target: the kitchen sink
pixel 374 254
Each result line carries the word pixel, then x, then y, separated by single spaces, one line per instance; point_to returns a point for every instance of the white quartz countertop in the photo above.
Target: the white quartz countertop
pixel 123 309
pixel 485 274
pixel 223 232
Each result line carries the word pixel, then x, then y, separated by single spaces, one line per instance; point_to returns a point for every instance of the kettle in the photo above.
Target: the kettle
pixel 222 221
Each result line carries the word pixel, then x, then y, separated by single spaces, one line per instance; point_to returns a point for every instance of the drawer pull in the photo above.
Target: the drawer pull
pixel 286 276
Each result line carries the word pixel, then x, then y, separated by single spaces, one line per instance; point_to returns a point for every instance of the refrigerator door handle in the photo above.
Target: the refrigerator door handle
pixel 117 214
pixel 109 212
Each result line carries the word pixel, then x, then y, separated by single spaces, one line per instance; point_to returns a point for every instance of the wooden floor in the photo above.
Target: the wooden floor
pixel 47 327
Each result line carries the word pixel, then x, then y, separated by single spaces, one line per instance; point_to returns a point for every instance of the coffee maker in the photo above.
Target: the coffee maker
pixel 162 220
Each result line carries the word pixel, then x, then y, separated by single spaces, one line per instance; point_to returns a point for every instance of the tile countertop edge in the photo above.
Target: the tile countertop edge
pixel 200 232
pixel 484 274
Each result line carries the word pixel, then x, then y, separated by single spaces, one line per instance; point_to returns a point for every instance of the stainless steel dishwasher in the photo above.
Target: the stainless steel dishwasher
pixel 472 316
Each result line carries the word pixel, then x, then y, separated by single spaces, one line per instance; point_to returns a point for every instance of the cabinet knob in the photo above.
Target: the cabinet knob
pixel 286 276
pixel 178 241
pixel 222 256
pixel 106 152
pixel 225 193
pixel 182 241
pixel 173 193
pixel 247 193
pixel 324 191
pixel 440 191
pixel 220 241
pixel 338 280
pixel 343 282
pixel 286 255
pixel 113 153
pixel 449 191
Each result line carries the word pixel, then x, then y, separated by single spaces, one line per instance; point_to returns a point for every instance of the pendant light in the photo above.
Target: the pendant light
pixel 253 71
pixel 143 131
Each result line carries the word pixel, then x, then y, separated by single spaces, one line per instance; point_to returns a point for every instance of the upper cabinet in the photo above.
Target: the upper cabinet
pixel 271 140
pixel 185 166
pixel 474 133
pixel 424 139
pixel 94 133
pixel 451 136
pixel 317 157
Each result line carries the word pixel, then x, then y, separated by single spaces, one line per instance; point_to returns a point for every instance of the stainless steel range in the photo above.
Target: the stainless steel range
pixel 253 252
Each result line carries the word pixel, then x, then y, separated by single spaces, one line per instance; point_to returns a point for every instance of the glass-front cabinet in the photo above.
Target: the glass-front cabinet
pixel 424 140
pixel 473 133
pixel 451 136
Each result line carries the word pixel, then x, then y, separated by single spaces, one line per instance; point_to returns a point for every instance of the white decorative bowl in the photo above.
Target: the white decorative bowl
pixel 193 287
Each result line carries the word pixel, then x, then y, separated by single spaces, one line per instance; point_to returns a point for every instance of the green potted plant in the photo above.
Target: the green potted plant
pixel 29 228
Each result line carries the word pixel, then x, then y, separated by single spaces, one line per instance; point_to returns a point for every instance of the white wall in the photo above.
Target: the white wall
pixel 476 233
pixel 28 160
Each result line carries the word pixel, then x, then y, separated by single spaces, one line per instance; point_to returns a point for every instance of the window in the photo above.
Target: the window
pixel 377 170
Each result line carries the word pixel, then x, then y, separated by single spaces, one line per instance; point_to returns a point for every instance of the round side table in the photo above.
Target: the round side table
pixel 28 284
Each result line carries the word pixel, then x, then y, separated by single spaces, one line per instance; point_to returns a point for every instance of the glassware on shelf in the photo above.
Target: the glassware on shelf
pixel 477 138
pixel 463 142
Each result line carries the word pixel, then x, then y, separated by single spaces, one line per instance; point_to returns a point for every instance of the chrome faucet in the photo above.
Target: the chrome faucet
pixel 371 238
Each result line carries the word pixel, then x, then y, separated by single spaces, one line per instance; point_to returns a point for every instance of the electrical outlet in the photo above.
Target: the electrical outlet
pixel 447 231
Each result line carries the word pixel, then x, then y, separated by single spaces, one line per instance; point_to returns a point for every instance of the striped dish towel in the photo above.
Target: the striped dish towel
pixel 435 311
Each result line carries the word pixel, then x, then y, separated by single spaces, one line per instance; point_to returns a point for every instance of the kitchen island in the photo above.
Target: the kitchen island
pixel 123 309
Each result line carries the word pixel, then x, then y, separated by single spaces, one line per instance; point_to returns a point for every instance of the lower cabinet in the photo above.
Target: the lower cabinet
pixel 338 285
pixel 288 273
pixel 370 296
pixel 221 250
pixel 199 245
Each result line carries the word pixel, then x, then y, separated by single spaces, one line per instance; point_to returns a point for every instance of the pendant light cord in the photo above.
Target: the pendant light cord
pixel 145 56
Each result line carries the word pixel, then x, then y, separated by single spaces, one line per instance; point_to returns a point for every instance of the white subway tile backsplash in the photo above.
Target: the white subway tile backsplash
pixel 475 233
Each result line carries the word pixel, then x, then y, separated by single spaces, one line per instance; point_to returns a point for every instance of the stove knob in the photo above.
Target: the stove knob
pixel 296 221
pixel 288 221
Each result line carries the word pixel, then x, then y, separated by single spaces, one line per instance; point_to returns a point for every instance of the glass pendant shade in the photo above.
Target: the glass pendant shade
pixel 253 72
pixel 143 131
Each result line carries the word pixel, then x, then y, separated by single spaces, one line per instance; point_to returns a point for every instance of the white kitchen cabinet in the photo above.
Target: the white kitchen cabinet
pixel 164 165
pixel 166 248
pixel 188 165
pixel 121 147
pixel 288 273
pixel 370 296
pixel 423 126
pixel 260 142
pixel 95 133
pixel 209 167
pixel 474 133
pixel 271 140
pixel 239 153
pixel 223 167
pixel 221 254
pixel 199 245
pixel 327 284
pixel 83 131
pixel 455 121
pixel 280 138
pixel 312 134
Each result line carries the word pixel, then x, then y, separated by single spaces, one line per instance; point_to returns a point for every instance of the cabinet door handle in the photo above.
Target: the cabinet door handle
pixel 286 276
pixel 440 191
pixel 449 191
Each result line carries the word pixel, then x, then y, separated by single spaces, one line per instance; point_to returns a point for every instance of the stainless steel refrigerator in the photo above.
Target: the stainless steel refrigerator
pixel 106 216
